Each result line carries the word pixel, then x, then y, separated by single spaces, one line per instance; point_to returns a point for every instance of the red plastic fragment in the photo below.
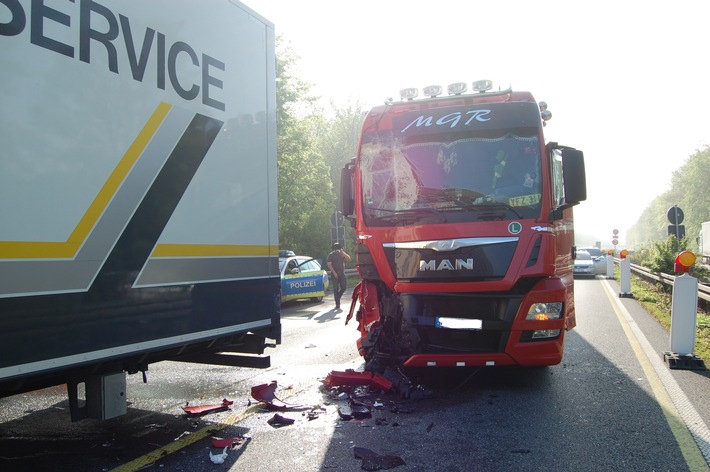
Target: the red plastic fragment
pixel 203 409
pixel 355 379
pixel 265 393
pixel 226 442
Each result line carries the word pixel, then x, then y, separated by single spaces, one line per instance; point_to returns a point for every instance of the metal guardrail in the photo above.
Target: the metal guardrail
pixel 643 272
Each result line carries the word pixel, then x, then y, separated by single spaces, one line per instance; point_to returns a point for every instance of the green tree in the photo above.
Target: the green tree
pixel 339 137
pixel 689 192
pixel 692 181
pixel 338 140
pixel 305 190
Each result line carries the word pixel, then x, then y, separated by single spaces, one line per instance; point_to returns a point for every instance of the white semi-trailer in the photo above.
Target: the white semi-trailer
pixel 138 204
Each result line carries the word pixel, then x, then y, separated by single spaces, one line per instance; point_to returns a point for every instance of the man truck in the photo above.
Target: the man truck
pixel 138 205
pixel 463 219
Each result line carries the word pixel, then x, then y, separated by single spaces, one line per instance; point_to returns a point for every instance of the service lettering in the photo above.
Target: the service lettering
pixel 117 42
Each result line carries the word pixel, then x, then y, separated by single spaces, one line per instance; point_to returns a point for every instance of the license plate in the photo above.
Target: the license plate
pixel 458 323
pixel 524 200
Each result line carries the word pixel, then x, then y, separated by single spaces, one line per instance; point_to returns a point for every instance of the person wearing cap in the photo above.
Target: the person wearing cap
pixel 336 263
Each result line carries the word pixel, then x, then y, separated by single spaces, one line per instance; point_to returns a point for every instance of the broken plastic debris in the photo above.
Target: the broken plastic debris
pixel 277 421
pixel 219 458
pixel 314 413
pixel 265 393
pixel 345 412
pixel 360 410
pixel 203 409
pixel 156 426
pixel 354 409
pixel 374 461
pixel 352 378
pixel 226 442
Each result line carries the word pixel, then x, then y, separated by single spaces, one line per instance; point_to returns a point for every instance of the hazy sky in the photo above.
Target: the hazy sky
pixel 626 81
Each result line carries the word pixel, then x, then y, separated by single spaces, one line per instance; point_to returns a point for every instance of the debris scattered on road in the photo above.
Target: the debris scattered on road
pixel 374 461
pixel 401 409
pixel 204 409
pixel 352 378
pixel 182 435
pixel 345 412
pixel 156 426
pixel 360 410
pixel 278 421
pixel 227 442
pixel 404 387
pixel 219 458
pixel 315 412
pixel 266 393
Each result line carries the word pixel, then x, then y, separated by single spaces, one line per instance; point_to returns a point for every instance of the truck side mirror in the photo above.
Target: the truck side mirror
pixel 573 173
pixel 347 191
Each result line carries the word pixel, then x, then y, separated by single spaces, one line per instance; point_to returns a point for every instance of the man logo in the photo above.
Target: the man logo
pixel 445 264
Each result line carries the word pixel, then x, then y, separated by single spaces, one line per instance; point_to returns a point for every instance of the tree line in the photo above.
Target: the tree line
pixel 312 147
pixel 689 191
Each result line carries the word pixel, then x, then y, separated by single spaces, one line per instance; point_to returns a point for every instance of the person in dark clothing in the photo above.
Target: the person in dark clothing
pixel 336 263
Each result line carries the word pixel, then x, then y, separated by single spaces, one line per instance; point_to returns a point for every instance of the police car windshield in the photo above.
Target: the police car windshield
pixel 451 173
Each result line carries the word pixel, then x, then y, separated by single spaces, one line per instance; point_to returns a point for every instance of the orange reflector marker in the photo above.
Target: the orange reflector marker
pixel 683 261
pixel 623 253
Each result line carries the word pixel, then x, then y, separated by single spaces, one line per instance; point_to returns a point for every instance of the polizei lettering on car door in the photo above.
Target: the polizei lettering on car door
pixel 154 48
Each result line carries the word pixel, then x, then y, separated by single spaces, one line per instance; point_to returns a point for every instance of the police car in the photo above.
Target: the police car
pixel 301 277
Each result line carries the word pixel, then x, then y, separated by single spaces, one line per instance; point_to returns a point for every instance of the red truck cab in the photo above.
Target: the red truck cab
pixel 465 233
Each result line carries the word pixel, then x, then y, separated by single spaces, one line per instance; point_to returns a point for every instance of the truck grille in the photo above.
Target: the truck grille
pixel 496 312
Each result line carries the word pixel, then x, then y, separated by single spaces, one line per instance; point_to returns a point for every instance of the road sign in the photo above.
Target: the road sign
pixel 676 230
pixel 614 241
pixel 675 215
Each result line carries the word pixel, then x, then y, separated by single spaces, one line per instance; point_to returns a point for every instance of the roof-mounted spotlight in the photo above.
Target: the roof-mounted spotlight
pixel 482 85
pixel 408 93
pixel 433 91
pixel 457 88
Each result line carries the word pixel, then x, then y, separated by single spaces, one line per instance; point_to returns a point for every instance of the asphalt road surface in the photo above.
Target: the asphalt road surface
pixel 612 404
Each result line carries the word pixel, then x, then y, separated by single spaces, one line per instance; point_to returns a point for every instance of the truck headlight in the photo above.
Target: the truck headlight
pixel 545 311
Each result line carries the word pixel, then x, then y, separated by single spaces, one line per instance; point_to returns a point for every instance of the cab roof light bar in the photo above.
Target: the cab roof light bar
pixel 456 89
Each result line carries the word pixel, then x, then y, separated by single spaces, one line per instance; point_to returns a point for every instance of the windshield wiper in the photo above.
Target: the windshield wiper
pixel 497 204
pixel 456 196
pixel 407 215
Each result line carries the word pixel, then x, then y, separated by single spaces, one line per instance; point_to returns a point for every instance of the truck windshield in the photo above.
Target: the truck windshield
pixel 442 179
